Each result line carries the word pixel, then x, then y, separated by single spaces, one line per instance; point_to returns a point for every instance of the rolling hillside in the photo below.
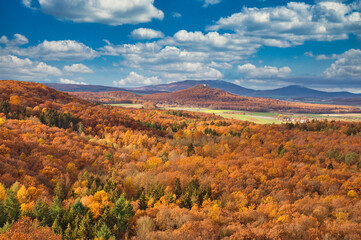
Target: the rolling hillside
pixel 71 169
pixel 108 97
pixel 292 93
pixel 205 96
pixel 93 88
pixel 173 87
pixel 82 88
pixel 31 94
pixel 296 91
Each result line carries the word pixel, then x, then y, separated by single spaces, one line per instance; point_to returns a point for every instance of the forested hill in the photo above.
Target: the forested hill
pixel 71 169
pixel 293 91
pixel 177 86
pixel 204 96
pixel 289 92
pixel 31 94
pixel 82 88
pixel 108 97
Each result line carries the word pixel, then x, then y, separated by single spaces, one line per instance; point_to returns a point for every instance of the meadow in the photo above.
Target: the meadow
pixel 260 117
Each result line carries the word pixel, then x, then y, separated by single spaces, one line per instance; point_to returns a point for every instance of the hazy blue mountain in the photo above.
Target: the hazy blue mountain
pixel 296 91
pixel 289 92
pixel 176 86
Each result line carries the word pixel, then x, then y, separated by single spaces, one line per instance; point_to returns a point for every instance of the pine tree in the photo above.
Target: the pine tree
pixel 68 232
pixel 75 233
pixel 80 128
pixel 2 214
pixel 164 156
pixel 4 228
pixel 42 213
pixel 55 208
pixel 59 191
pixel 104 232
pixel 56 226
pixel 177 188
pixel 143 203
pixel 79 208
pixel 156 191
pixel 5 107
pixel 190 150
pixel 187 201
pixel 84 230
pixel 69 215
pixel 12 207
pixel 114 194
pixel 122 211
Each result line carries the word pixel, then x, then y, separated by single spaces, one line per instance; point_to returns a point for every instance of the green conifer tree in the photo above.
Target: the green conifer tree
pixel 56 226
pixel 177 188
pixel 59 191
pixel 42 213
pixel 190 150
pixel 12 207
pixel 68 233
pixel 104 232
pixel 2 214
pixel 79 208
pixel 122 211
pixel 143 203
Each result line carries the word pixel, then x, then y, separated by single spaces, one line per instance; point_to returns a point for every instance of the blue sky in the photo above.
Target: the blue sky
pixel 259 44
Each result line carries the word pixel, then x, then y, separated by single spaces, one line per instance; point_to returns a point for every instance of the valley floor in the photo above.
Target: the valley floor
pixel 263 117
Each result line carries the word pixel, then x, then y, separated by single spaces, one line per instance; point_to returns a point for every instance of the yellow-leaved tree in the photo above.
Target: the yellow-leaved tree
pixel 3 194
pixel 22 194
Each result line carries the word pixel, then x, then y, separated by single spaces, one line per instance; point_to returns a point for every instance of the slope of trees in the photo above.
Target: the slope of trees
pixel 108 97
pixel 121 173
pixel 204 96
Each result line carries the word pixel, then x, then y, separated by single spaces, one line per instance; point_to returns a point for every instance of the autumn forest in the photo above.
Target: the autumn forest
pixel 76 169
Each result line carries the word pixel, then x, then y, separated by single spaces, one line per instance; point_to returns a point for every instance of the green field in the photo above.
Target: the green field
pixel 270 117
pixel 258 117
pixel 127 105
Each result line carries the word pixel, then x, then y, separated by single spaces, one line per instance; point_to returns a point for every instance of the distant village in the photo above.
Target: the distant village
pixel 282 118
pixel 294 119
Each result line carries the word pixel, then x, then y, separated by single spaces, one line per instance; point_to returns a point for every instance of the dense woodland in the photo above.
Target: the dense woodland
pixel 205 97
pixel 109 97
pixel 70 169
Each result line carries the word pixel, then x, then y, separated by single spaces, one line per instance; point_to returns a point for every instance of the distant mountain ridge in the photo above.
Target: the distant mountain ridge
pixel 177 86
pixel 300 91
pixel 284 92
pixel 64 87
pixel 203 96
pixel 293 92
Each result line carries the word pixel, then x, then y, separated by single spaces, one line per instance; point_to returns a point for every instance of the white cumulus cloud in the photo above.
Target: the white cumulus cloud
pixel 77 68
pixel 55 50
pixel 347 65
pixel 135 79
pixel 12 67
pixel 218 47
pixel 284 26
pixel 251 71
pixel 146 33
pixel 110 12
pixel 69 81
pixel 17 40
